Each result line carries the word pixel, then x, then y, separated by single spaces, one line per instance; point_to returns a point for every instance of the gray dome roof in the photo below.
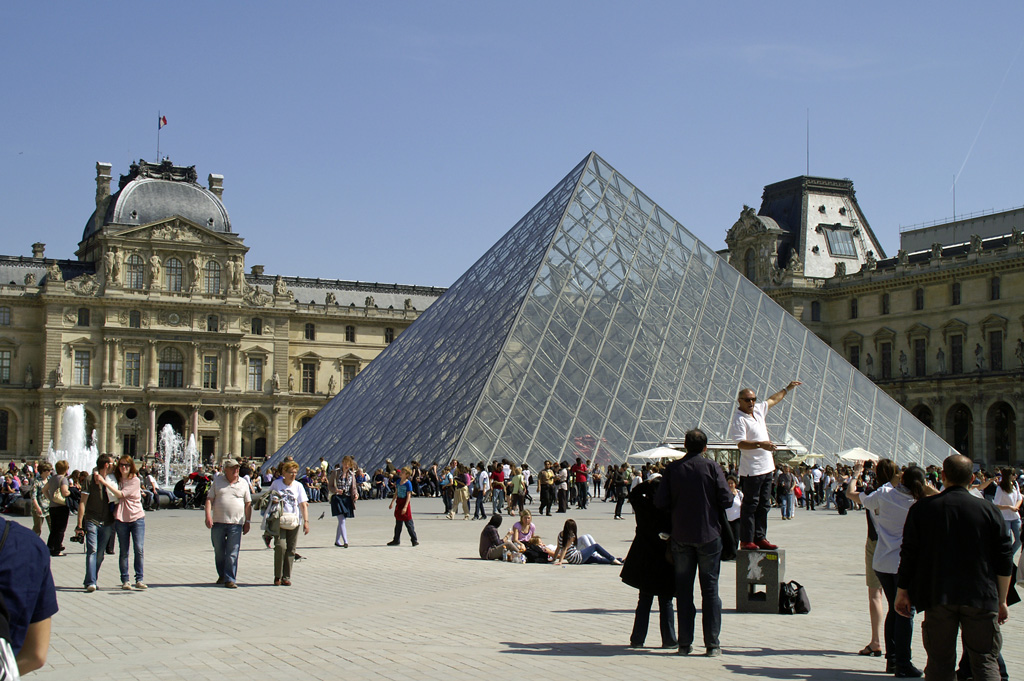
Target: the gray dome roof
pixel 144 200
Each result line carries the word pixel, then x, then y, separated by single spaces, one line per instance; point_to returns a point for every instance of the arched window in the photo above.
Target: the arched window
pixel 304 420
pixel 994 288
pixel 350 334
pixel 133 272
pixel 955 293
pixel 211 277
pixel 853 308
pixel 135 319
pixel 83 316
pixel 172 368
pixel 389 335
pixel 885 303
pixel 212 323
pixel 960 429
pixel 309 332
pixel 174 271
pixel 815 311
pixel 919 299
pixel 750 264
pixel 5 316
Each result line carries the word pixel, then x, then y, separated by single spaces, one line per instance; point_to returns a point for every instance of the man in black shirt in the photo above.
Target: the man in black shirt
pixel 955 565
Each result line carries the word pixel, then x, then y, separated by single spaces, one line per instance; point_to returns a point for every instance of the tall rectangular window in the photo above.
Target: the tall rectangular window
pixel 309 331
pixel 853 308
pixel 389 335
pixel 350 334
pixel 256 373
pixel 855 356
pixel 995 350
pixel 956 354
pixel 309 377
pixel 956 293
pixel 210 372
pixel 886 360
pixel 5 316
pixel 5 366
pixel 132 368
pixel 920 361
pixel 81 373
pixel 135 319
pixel 257 326
pixel 348 374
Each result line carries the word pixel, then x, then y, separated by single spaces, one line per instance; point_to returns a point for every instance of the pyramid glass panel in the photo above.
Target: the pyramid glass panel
pixel 599 326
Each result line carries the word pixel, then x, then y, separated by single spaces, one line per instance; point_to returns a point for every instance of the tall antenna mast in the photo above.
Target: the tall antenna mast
pixel 807 143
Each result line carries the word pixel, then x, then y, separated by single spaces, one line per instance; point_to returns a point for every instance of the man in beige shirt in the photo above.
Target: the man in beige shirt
pixel 228 510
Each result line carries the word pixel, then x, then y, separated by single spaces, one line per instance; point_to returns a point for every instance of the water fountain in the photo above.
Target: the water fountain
pixel 179 458
pixel 73 447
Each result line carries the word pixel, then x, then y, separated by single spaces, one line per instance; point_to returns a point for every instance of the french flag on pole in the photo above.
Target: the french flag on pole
pixel 161 122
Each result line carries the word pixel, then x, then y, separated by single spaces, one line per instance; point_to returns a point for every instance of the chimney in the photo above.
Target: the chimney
pixel 38 249
pixel 257 270
pixel 216 185
pixel 102 192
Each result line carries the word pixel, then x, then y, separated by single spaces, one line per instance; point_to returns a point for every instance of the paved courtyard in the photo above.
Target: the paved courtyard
pixel 438 612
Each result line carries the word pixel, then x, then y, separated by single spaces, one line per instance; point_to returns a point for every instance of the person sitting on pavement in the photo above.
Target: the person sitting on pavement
pixel 493 547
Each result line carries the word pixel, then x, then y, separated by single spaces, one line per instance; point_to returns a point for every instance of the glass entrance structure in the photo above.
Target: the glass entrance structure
pixel 598 326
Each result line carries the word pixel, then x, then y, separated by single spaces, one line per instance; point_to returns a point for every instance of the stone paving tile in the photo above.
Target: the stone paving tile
pixel 438 612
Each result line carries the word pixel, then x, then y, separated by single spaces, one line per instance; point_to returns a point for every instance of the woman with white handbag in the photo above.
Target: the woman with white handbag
pixel 294 510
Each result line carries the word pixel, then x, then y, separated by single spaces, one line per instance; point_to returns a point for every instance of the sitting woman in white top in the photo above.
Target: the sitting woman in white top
pixel 568 552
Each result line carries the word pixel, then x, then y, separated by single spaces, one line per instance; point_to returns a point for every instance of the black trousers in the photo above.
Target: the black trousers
pixel 59 514
pixel 409 526
pixel 757 500
pixel 898 629
pixel 563 504
pixel 547 498
pixel 642 618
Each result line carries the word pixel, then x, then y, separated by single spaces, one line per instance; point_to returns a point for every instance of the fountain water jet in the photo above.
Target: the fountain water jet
pixel 73 447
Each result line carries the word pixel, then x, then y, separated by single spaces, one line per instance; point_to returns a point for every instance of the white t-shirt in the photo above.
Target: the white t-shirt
pixel 291 495
pixel 228 500
pixel 816 473
pixel 752 427
pixel 888 506
pixel 1003 499
pixel 733 512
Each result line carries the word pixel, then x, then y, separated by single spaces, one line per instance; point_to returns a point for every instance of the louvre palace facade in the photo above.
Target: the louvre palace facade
pixel 156 321
pixel 938 326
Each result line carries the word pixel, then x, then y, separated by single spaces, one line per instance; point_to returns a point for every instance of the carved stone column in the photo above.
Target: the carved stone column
pixel 152 429
pixel 104 363
pixel 272 441
pixel 195 424
pixel 233 365
pixel 151 379
pixel 195 379
pixel 115 362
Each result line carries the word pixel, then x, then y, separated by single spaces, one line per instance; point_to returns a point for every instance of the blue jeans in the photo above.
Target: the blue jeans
pixel 137 531
pixel 689 558
pixel 1014 527
pixel 479 510
pixel 227 540
pixel 595 553
pixel 786 504
pixel 497 501
pixel 96 538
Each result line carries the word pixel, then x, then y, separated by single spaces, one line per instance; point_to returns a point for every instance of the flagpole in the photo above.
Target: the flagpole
pixel 158 126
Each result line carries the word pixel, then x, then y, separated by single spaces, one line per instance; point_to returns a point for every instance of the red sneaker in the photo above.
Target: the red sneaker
pixel 766 545
pixel 748 546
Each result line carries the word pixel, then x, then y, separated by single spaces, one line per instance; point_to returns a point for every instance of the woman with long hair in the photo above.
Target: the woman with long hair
pixel 344 494
pixel 887 507
pixel 129 517
pixel 1008 498
pixel 569 553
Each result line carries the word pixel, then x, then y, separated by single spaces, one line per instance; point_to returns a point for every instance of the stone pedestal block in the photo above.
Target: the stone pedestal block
pixel 759 575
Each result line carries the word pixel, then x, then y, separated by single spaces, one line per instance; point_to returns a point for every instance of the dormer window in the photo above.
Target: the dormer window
pixel 840 241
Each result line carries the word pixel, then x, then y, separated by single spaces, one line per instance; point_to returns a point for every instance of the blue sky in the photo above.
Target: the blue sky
pixel 396 141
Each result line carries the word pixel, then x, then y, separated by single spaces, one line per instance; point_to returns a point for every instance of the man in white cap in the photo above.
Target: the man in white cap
pixel 228 510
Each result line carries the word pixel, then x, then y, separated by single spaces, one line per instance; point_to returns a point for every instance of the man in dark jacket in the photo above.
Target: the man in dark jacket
pixel 955 565
pixel 695 492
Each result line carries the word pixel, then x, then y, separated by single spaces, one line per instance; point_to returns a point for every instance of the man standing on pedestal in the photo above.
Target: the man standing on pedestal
pixel 757 463
pixel 228 510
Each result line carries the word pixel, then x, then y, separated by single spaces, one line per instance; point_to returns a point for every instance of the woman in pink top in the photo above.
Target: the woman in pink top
pixel 129 518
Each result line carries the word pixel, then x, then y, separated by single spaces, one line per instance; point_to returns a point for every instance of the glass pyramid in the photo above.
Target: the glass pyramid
pixel 599 327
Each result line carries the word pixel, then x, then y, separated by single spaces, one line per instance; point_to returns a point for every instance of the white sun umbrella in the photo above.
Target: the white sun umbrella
pixel 657 454
pixel 858 454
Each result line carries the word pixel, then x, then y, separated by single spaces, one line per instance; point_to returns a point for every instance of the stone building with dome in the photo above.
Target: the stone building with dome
pixel 158 321
pixel 939 326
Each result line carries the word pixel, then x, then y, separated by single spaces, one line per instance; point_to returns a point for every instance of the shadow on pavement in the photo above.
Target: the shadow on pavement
pixel 564 649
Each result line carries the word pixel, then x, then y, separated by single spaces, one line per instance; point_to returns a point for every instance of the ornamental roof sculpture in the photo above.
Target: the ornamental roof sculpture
pixel 598 326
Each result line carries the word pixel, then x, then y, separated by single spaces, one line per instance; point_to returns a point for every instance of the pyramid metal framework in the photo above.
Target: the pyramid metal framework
pixel 598 327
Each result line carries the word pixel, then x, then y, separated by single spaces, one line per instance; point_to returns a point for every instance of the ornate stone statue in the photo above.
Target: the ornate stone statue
pixel 330 299
pixel 840 269
pixel 979 357
pixel 229 270
pixel 975 243
pixel 291 382
pixel 279 287
pixel 277 381
pixel 193 273
pixel 154 271
pixel 408 303
pixel 238 278
pixel 1019 353
pixel 59 374
pixel 936 251
pixel 30 279
pixel 794 264
pixel 869 361
pixel 902 257
pixel 369 301
pixel 1017 237
pixel 940 357
pixel 53 272
pixel 29 378
pixel 904 371
pixel 330 385
pixel 870 261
